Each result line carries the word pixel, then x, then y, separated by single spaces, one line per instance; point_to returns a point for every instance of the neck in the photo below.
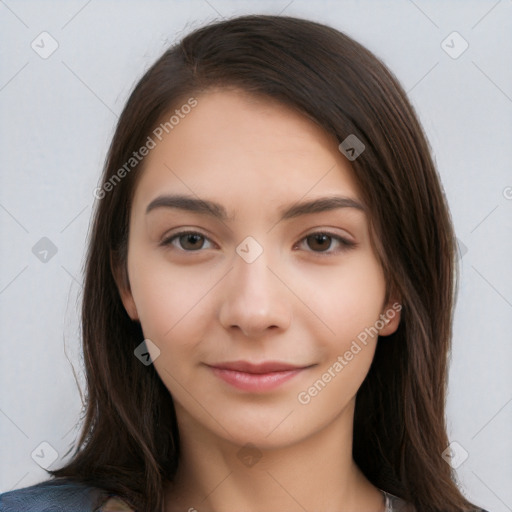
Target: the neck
pixel 316 473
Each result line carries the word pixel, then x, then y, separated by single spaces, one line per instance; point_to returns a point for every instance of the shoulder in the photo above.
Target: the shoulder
pixel 60 495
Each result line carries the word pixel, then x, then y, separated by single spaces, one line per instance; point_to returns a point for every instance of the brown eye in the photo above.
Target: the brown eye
pixel 188 241
pixel 319 242
pixel 325 243
pixel 191 241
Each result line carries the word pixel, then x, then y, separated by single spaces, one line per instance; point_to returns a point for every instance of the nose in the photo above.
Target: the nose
pixel 254 300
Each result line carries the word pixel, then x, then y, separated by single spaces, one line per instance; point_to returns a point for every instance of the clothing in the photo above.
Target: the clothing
pixel 62 495
pixel 59 495
pixel 395 504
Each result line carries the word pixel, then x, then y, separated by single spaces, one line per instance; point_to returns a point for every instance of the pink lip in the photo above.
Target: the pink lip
pixel 255 377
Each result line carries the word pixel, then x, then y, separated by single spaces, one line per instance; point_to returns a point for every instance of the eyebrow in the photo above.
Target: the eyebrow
pixel 216 210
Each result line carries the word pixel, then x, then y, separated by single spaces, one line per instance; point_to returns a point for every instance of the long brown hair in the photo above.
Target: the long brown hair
pixel 130 442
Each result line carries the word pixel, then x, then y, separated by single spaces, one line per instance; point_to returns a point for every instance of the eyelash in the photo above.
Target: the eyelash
pixel 344 244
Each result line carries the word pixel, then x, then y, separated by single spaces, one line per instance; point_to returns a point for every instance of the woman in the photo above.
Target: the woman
pixel 269 288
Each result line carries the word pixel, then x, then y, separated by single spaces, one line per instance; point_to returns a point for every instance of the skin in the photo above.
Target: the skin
pixel 300 302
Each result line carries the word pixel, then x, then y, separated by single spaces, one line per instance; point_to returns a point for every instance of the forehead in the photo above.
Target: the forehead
pixel 240 147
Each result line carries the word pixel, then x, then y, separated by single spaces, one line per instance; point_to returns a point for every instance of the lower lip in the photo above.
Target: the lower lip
pixel 255 381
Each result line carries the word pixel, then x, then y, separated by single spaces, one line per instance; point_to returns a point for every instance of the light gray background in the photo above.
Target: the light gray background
pixel 57 117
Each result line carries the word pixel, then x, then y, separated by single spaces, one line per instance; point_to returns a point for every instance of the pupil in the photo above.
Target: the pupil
pixel 320 242
pixel 191 241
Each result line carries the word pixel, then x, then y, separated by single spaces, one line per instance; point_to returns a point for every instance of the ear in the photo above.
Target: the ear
pixel 120 273
pixel 390 316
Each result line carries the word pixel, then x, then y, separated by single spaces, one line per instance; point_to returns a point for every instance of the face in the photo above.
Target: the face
pixel 251 269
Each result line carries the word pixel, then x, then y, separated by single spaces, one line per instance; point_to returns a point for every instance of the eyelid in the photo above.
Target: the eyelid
pixel 345 243
pixel 167 240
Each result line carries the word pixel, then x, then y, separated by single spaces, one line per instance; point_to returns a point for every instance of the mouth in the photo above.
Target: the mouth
pixel 247 376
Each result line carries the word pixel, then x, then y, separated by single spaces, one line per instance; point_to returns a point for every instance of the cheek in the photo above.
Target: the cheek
pixel 174 312
pixel 335 303
pixel 167 297
pixel 350 303
pixel 346 299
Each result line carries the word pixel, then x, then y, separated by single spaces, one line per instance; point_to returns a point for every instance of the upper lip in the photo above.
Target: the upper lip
pixel 265 367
